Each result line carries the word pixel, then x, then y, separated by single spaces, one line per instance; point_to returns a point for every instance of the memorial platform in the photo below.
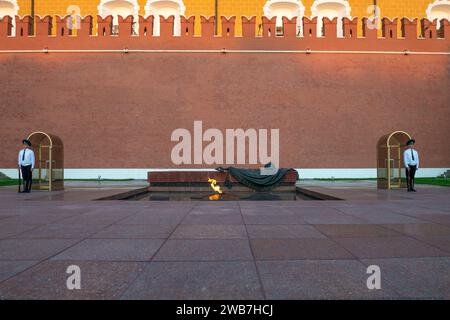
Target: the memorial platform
pixel 195 181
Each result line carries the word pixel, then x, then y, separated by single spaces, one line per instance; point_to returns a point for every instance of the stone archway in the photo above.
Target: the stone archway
pixel 9 8
pixel 330 9
pixel 439 9
pixel 117 8
pixel 285 8
pixel 165 8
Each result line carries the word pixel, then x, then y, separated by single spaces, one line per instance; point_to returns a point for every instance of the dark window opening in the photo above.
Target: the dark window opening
pixel 280 31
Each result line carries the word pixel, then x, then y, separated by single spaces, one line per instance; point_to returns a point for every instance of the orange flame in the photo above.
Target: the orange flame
pixel 214 197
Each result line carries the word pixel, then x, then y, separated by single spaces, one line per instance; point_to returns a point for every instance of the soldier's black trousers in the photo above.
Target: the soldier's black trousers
pixel 27 177
pixel 410 176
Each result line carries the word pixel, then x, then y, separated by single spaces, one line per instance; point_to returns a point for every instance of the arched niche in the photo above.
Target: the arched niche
pixel 9 8
pixel 117 8
pixel 330 9
pixel 165 8
pixel 48 173
pixel 285 8
pixel 390 169
pixel 439 9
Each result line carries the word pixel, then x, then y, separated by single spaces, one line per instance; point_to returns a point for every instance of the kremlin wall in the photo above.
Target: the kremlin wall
pixel 115 88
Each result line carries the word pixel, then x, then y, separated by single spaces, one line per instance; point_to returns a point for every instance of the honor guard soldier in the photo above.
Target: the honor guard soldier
pixel 26 164
pixel 411 160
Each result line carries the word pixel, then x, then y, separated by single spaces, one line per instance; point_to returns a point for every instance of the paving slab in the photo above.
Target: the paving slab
pixel 385 218
pixel 355 230
pixel 441 242
pixel 416 278
pixel 197 281
pixel 283 232
pixel 314 210
pixel 187 231
pixel 216 210
pixel 421 229
pixel 257 210
pixel 11 229
pixel 135 231
pixel 204 250
pixel 331 218
pixel 154 217
pixel 433 218
pixel 61 231
pixel 213 219
pixel 389 247
pixel 274 219
pixel 9 269
pixel 297 249
pixel 96 218
pixel 48 281
pixel 216 250
pixel 32 249
pixel 319 279
pixel 112 249
pixel 414 210
pixel 34 219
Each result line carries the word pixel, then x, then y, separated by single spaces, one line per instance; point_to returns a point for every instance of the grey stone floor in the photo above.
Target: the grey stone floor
pixel 226 250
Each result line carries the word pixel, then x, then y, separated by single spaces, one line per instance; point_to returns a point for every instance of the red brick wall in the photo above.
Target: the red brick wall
pixel 115 110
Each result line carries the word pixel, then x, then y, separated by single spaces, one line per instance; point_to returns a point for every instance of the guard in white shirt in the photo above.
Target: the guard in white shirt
pixel 411 160
pixel 26 164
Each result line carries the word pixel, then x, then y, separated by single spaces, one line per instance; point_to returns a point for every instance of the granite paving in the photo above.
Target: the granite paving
pixel 225 250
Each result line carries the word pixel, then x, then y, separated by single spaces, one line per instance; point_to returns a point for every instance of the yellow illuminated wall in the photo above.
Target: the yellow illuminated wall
pixel 238 8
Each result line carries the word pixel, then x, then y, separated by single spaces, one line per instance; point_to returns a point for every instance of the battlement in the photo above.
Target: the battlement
pixel 74 32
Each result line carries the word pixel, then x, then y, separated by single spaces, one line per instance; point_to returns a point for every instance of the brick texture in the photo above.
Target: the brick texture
pixel 115 111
